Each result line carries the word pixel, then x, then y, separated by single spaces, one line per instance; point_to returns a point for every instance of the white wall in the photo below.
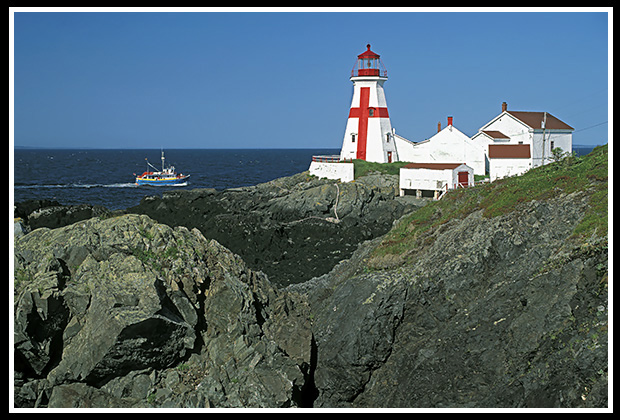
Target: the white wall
pixel 343 171
pixel 563 140
pixel 377 145
pixel 424 179
pixel 448 146
pixel 349 147
pixel 432 179
pixel 482 140
pixel 513 128
pixel 503 167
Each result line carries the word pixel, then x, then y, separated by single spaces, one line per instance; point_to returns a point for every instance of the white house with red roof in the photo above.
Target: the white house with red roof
pixel 448 145
pixel 516 141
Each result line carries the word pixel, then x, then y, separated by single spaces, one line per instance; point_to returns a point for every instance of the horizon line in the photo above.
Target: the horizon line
pixel 207 148
pixel 173 148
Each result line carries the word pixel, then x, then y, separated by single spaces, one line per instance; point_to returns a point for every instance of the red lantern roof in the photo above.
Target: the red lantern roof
pixel 368 53
pixel 368 64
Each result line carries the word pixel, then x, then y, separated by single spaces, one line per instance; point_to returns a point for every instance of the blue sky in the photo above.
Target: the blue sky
pixel 281 79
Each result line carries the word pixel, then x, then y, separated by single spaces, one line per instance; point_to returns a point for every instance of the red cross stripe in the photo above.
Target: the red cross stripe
pixel 363 113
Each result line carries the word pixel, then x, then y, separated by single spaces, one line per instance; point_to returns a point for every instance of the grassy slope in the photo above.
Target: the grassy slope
pixel 363 167
pixel 588 173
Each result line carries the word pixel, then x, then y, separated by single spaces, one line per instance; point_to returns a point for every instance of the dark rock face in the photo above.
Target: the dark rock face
pixel 51 214
pixel 495 313
pixel 292 228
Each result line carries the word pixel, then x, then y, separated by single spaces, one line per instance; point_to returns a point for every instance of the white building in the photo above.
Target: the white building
pixel 331 167
pixel 368 134
pixel 508 159
pixel 540 131
pixel 509 144
pixel 447 146
pixel 431 179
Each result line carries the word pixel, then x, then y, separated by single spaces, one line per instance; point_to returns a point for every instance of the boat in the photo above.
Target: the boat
pixel 165 177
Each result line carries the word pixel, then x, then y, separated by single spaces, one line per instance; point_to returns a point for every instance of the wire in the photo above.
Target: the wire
pixel 592 126
pixel 561 135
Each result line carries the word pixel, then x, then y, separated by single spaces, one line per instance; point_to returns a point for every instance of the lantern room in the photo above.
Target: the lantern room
pixel 368 64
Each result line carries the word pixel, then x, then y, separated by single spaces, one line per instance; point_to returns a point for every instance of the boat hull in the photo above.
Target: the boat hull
pixel 163 182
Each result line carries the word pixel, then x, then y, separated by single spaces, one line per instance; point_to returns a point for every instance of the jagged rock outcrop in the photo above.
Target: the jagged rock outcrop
pixel 104 305
pixel 494 313
pixel 292 228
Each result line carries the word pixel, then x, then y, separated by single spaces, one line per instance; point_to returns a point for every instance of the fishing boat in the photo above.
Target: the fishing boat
pixel 165 177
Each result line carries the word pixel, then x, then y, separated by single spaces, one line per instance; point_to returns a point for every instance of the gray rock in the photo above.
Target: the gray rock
pixel 293 228
pixel 102 302
pixel 493 313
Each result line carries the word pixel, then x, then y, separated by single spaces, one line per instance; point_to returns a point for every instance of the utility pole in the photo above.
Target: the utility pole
pixel 544 124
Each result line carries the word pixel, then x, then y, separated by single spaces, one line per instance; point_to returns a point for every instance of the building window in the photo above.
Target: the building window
pixel 387 137
pixel 552 145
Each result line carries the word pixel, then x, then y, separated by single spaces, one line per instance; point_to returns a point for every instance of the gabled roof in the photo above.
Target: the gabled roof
pixel 532 120
pixel 535 119
pixel 509 151
pixel 433 165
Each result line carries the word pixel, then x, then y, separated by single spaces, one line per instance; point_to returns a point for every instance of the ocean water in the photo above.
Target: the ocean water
pixel 106 177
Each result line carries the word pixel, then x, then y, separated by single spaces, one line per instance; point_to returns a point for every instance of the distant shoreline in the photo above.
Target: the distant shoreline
pixel 177 148
pixel 575 146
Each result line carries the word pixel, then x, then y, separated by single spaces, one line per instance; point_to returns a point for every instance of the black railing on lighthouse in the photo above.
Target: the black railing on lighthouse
pixel 329 158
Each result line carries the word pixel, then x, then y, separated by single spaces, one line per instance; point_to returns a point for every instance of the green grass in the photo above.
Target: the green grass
pixel 364 168
pixel 588 173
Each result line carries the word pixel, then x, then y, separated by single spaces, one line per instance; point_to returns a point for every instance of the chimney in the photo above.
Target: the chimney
pixel 504 106
pixel 449 120
pixel 438 127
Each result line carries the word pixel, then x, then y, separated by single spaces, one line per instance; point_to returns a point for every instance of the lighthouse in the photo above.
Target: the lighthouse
pixel 368 134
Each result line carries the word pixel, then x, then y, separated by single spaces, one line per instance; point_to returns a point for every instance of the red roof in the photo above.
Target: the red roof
pixel 368 53
pixel 433 165
pixel 495 134
pixel 535 119
pixel 509 151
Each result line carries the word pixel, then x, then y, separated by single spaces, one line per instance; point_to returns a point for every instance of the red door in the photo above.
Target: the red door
pixel 463 178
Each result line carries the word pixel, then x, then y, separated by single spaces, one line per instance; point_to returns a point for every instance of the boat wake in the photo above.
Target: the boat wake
pixel 73 185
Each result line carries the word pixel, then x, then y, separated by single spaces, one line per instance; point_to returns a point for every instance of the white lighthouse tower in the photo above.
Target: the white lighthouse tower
pixel 368 135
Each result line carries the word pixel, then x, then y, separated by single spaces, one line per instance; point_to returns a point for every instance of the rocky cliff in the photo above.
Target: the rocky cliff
pixel 293 228
pixel 127 312
pixel 495 296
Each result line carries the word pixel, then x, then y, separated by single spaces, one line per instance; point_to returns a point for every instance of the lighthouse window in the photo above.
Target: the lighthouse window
pixel 371 112
pixel 353 137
